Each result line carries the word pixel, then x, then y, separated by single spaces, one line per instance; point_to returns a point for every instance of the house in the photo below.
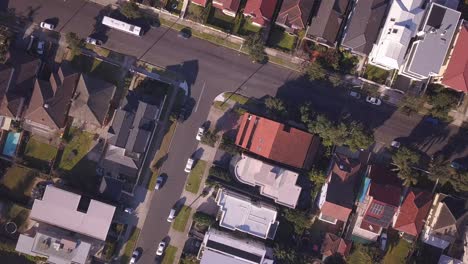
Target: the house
pixel 17 79
pixel 260 11
pixel 228 7
pixel 47 112
pixel 326 22
pixel 201 3
pixel 446 221
pixel 69 227
pixel 129 135
pixel 364 23
pixel 294 14
pixel 90 104
pixel 332 244
pixel 455 75
pixel 400 27
pixel 412 213
pixel 238 212
pixel 221 247
pixel 274 181
pixel 278 142
pixel 340 190
pixel 378 203
pixel 444 259
pixel 428 52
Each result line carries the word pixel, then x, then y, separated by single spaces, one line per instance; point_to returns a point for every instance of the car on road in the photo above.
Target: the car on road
pixel 93 41
pixel 200 133
pixel 161 247
pixel 159 182
pixel 171 216
pixel 135 256
pixel 395 144
pixel 431 120
pixel 373 100
pixel 40 47
pixel 189 165
pixel 185 33
pixel 383 241
pixel 46 25
pixel 355 94
pixel 129 210
pixel 457 165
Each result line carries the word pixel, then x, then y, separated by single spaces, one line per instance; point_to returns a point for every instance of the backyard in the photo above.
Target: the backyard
pixel 79 144
pixel 195 177
pixel 281 39
pixel 181 219
pixel 38 154
pixel 397 251
pixel 19 181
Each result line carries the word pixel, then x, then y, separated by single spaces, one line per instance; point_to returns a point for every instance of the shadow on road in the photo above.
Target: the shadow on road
pixel 189 71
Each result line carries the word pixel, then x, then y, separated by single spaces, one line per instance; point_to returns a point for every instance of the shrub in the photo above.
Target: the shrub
pixel 203 219
pixel 220 173
pixel 227 144
pixel 209 138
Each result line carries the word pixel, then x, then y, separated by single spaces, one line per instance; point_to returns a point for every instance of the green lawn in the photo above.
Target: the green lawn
pixel 159 158
pixel 76 149
pixel 19 180
pixel 376 74
pixel 17 214
pixel 130 246
pixel 282 40
pixel 359 255
pixel 397 253
pixel 247 27
pixel 182 218
pixel 169 255
pixel 40 151
pixel 195 177
pixel 97 68
pixel 238 98
pixel 219 105
pixel 219 20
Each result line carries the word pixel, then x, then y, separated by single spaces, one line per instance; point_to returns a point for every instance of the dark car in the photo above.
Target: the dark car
pixel 431 120
pixel 185 33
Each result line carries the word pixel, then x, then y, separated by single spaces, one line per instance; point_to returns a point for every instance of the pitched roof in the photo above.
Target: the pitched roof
pixel 91 100
pixel 199 2
pixel 230 5
pixel 295 13
pixel 260 10
pixel 276 141
pixel 364 25
pixel 385 185
pixel 336 211
pixel 413 212
pixel 327 21
pixel 380 214
pixel 333 244
pixel 456 74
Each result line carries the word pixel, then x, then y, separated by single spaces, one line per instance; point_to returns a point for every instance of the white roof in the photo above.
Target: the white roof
pixel 444 259
pixel 59 208
pixel 401 25
pixel 274 181
pixel 239 213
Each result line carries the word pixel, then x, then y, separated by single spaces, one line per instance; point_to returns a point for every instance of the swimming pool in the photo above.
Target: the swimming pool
pixel 11 143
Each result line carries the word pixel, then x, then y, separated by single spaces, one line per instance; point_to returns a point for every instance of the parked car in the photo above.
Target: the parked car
pixel 93 41
pixel 395 144
pixel 189 165
pixel 185 33
pixel 129 210
pixel 373 100
pixel 159 182
pixel 135 256
pixel 40 47
pixel 161 247
pixel 201 131
pixel 171 216
pixel 431 120
pixel 383 241
pixel 457 165
pixel 355 94
pixel 46 25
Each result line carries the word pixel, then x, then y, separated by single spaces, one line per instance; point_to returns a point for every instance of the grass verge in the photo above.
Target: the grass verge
pixel 181 219
pixel 238 98
pixel 130 246
pixel 169 255
pixel 195 177
pixel 159 157
pixel 219 105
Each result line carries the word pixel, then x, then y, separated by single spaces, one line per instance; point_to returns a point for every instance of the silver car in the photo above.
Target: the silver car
pixel 46 25
pixel 373 100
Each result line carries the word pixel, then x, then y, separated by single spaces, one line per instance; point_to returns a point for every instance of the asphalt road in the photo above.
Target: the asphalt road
pixel 211 70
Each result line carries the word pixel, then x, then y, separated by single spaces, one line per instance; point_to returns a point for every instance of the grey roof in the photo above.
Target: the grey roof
pixel 91 100
pixel 428 52
pixel 327 21
pixel 63 209
pixel 386 214
pixel 110 188
pixel 364 25
pixel 295 13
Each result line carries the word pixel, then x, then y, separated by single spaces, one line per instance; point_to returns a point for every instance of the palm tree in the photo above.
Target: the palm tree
pixel 404 159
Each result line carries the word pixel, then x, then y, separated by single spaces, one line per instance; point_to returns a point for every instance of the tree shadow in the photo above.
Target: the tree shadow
pixel 100 31
pixel 158 164
pixel 189 70
pixel 227 122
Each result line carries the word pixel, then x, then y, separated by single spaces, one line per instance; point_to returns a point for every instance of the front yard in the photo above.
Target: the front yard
pixel 181 219
pixel 219 20
pixel 97 68
pixel 79 144
pixel 376 74
pixel 195 177
pixel 247 28
pixel 281 39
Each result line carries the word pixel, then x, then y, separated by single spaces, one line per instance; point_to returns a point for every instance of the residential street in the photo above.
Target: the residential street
pixel 211 70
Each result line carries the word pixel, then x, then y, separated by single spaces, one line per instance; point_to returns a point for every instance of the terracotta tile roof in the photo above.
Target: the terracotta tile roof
pixel 385 185
pixel 336 211
pixel 261 11
pixel 199 2
pixel 456 74
pixel 333 244
pixel 295 13
pixel 413 211
pixel 230 5
pixel 276 141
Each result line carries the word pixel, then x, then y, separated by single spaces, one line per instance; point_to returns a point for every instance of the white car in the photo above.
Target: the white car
pixel 159 182
pixel 161 248
pixel 355 94
pixel 395 144
pixel 135 256
pixel 201 131
pixel 383 241
pixel 46 25
pixel 40 47
pixel 373 100
pixel 93 41
pixel 189 165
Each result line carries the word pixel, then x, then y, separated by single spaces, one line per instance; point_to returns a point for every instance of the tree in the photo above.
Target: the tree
pixel 335 80
pixel 358 137
pixel 74 42
pixel 203 219
pixel 317 177
pixel 5 41
pixel 298 219
pixel 306 113
pixel 411 104
pixel 275 106
pixel 255 47
pixel 130 10
pixel 315 72
pixel 440 170
pixel 285 255
pixel 330 59
pixel 404 159
pixel 336 258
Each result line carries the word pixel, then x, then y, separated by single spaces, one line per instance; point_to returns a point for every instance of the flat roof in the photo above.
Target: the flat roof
pixel 428 52
pixel 275 182
pixel 60 208
pixel 239 213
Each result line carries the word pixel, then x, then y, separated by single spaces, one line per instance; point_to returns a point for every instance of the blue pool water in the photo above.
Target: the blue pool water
pixel 10 144
pixel 364 189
